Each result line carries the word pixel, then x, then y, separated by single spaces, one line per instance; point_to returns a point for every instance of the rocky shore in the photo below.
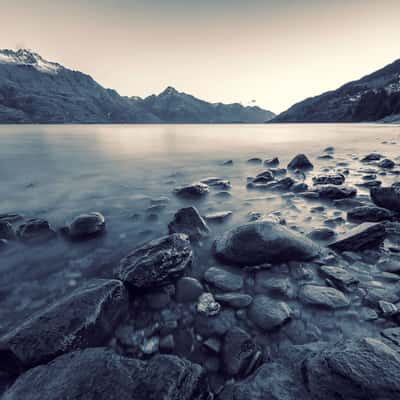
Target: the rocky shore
pixel 262 309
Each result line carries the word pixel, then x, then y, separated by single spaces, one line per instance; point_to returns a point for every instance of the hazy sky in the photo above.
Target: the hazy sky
pixel 274 51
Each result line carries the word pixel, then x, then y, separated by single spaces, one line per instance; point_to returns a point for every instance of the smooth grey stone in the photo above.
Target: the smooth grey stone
pixel 234 300
pixel 216 325
pixel 223 280
pixel 189 221
pixel 323 296
pixel 331 192
pixel 329 179
pixel 386 163
pixel 86 225
pixel 219 216
pixel 35 230
pixel 372 157
pixel 321 234
pixel 386 197
pixel 188 290
pixel 272 162
pixel 254 160
pixel 368 214
pixel 194 190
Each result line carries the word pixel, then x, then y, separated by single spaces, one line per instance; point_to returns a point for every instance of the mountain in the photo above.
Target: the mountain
pixel 34 90
pixel 372 98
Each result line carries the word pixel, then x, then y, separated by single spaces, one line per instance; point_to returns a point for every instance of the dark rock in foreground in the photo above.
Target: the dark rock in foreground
pixel 362 237
pixel 263 242
pixel 85 318
pixel 368 214
pixel 300 162
pixel 35 230
pixel 386 197
pixel 86 225
pixel 189 221
pixel 156 263
pixel 355 369
pixel 100 374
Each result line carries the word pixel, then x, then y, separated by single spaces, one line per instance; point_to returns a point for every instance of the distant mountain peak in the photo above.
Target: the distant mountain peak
pixel 27 57
pixel 168 91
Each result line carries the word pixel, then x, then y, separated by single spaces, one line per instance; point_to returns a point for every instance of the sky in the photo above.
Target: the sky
pixel 276 52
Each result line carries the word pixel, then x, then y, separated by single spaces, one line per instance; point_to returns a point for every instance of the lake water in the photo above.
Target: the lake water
pixel 58 172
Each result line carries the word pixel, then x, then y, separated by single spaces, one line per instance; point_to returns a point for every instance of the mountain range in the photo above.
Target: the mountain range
pixel 375 97
pixel 34 90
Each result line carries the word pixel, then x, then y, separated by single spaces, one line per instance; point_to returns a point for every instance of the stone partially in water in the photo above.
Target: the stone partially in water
pixel 87 225
pixel 300 162
pixel 332 192
pixel 386 163
pixel 156 263
pixel 272 162
pixel 35 230
pixel 363 368
pixel 189 221
pixel 218 216
pixel 368 214
pixel 188 289
pixel 323 296
pixel 331 179
pixel 263 242
pixel 223 280
pixel 386 197
pixel 372 157
pixel 6 231
pixel 85 318
pixel 322 234
pixel 194 190
pixel 362 237
pixel 234 300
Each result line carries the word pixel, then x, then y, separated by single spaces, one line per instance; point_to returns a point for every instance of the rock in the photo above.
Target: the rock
pixel 86 225
pixel 234 300
pixel 278 171
pixel 101 374
pixel 264 177
pixel 213 344
pixel 150 346
pixel 194 190
pixel 167 343
pixel 207 305
pixel 372 157
pixel 363 368
pixel 237 352
pixel 156 263
pixel 339 276
pixel 323 296
pixel 322 234
pixel 223 280
pixel 329 149
pixel 299 187
pixel 331 179
pixel 85 318
pixel 272 162
pixel 158 300
pixel 35 230
pixel 223 194
pixel 331 192
pixel 188 290
pixel 386 163
pixel 227 162
pixel 268 314
pixel 216 325
pixel 368 214
pixel 274 285
pixel 218 217
pixel 10 217
pixel 392 334
pixel 388 309
pixel 254 160
pixel 364 236
pixel 6 231
pixel 188 221
pixel 300 162
pixel 347 203
pixel 281 184
pixel 369 184
pixel 217 183
pixel 386 197
pixel 390 265
pixel 263 242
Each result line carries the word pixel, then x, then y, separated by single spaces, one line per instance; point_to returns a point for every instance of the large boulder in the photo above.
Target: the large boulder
pixel 300 162
pixel 364 236
pixel 85 318
pixel 368 214
pixel 101 374
pixel 263 242
pixel 188 221
pixel 386 197
pixel 156 263
pixel 361 369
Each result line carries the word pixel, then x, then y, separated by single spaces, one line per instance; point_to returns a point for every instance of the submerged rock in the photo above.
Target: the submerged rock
pixel 194 190
pixel 386 197
pixel 362 237
pixel 254 160
pixel 86 225
pixel 101 374
pixel 300 162
pixel 386 163
pixel 331 192
pixel 156 263
pixel 35 230
pixel 189 221
pixel 85 318
pixel 263 242
pixel 272 162
pixel 363 368
pixel 372 157
pixel 368 214
pixel 323 296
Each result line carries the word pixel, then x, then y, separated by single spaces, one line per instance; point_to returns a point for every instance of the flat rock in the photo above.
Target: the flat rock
pixel 35 230
pixel 322 234
pixel 223 280
pixel 364 236
pixel 369 214
pixel 194 190
pixel 101 374
pixel 254 160
pixel 189 221
pixel 339 276
pixel 156 263
pixel 331 192
pixel 85 318
pixel 263 242
pixel 86 225
pixel 363 368
pixel 329 179
pixel 323 296
pixel 392 334
pixel 268 314
pixel 300 162
pixel 348 203
pixel 386 197
pixel 218 216
pixel 234 300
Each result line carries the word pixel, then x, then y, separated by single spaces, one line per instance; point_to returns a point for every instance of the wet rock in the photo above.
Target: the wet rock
pixel 364 236
pixel 376 294
pixel 217 183
pixel 363 368
pixel 268 314
pixel 254 160
pixel 390 265
pixel 300 162
pixel 213 344
pixel 223 194
pixel 227 162
pixel 325 157
pixel 263 242
pixel 86 225
pixel 188 221
pixel 299 187
pixel 339 276
pixel 6 231
pixel 322 234
pixel 388 309
pixel 386 197
pixel 156 263
pixel 237 352
pixel 278 171
pixel 329 149
pixel 274 285
pixel 157 300
pixel 323 296
pixel 207 305
pixel 372 157
pixel 272 162
pixel 194 190
pixel 10 217
pixel 281 184
pixel 216 325
pixel 348 203
pixel 386 163
pixel 333 222
pixel 234 300
pixel 392 334
pixel 35 230
pixel 223 280
pixel 218 217
pixel 332 179
pixel 188 289
pixel 331 192
pixel 264 177
pixel 101 374
pixel 370 184
pixel 85 318
pixel 368 214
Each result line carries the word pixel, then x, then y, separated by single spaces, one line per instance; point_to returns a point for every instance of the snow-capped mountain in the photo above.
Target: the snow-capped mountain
pixel 34 90
pixel 372 98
